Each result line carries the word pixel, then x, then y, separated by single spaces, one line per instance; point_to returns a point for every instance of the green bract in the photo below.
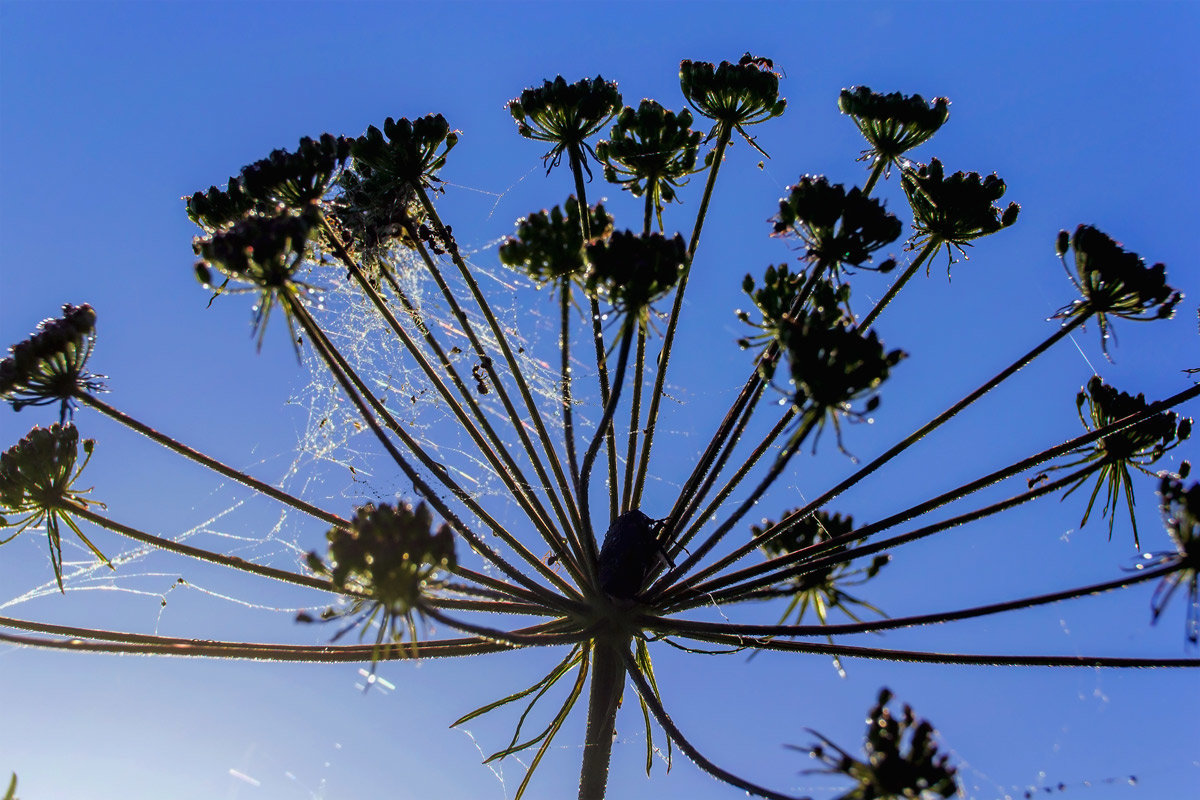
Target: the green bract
pixel 823 588
pixel 650 151
pixel 48 367
pixel 37 477
pixel 565 115
pixel 1181 510
pixel 953 211
pixel 633 271
pixel 836 226
pixel 733 95
pixel 548 246
pixel 893 123
pixel 1114 281
pixel 1137 446
pixel 384 562
pixel 888 772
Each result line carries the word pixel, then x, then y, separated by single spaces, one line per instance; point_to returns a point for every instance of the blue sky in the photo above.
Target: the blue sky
pixel 110 113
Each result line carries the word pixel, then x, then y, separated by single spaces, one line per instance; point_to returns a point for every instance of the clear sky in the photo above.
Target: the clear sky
pixel 110 113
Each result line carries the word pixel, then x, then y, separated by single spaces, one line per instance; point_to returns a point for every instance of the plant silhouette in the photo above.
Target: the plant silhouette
pixel 586 568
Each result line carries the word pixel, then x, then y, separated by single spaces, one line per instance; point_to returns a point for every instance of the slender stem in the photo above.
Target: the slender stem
pixel 792 519
pixel 211 463
pixel 664 357
pixel 635 416
pixel 880 165
pixel 505 349
pixel 677 627
pixel 88 640
pixel 776 470
pixel 297 579
pixel 497 456
pixel 610 408
pixel 576 158
pixel 646 691
pixel 923 657
pixel 564 289
pixel 604 698
pixel 333 362
pixel 505 637
pixel 822 555
pixel 929 249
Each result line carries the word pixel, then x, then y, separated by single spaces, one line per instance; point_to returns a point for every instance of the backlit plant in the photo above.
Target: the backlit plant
pixel 609 581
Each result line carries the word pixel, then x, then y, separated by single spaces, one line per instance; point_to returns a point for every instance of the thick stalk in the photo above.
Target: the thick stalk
pixel 604 698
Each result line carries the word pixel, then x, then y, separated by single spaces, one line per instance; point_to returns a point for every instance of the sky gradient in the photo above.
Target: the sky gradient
pixel 113 112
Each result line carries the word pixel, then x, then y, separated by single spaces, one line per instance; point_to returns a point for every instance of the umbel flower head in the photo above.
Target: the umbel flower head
pixel 832 364
pixel 385 562
pixel 823 588
pixel 651 151
pixel 888 771
pixel 380 202
pixel 49 366
pixel 1113 281
pixel 953 211
pixel 892 123
pixel 286 179
pixel 566 115
pixel 37 485
pixel 548 246
pixel 263 252
pixel 633 271
pixel 1137 446
pixel 836 226
pixel 1181 510
pixel 780 299
pixel 733 95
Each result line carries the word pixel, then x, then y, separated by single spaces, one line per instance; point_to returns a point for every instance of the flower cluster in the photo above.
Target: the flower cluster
pixel 380 202
pixel 548 246
pixel 836 226
pixel 953 210
pixel 1137 446
pixel 284 179
pixel 1181 509
pixel 822 588
pixel 733 95
pixel 48 367
pixel 385 561
pixel 888 772
pixel 565 115
pixel 1113 281
pixel 832 364
pixel 651 151
pixel 633 271
pixel 893 123
pixel 37 477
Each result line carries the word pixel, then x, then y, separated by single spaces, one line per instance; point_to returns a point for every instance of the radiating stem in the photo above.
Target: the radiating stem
pixel 664 357
pixel 895 450
pixel 677 627
pixel 610 408
pixel 564 288
pixel 199 553
pixel 576 159
pixel 216 466
pixel 928 250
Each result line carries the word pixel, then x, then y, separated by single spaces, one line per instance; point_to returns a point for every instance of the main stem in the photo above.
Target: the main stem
pixel 608 684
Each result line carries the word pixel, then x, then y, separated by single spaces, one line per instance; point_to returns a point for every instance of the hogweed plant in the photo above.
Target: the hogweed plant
pixel 567 548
